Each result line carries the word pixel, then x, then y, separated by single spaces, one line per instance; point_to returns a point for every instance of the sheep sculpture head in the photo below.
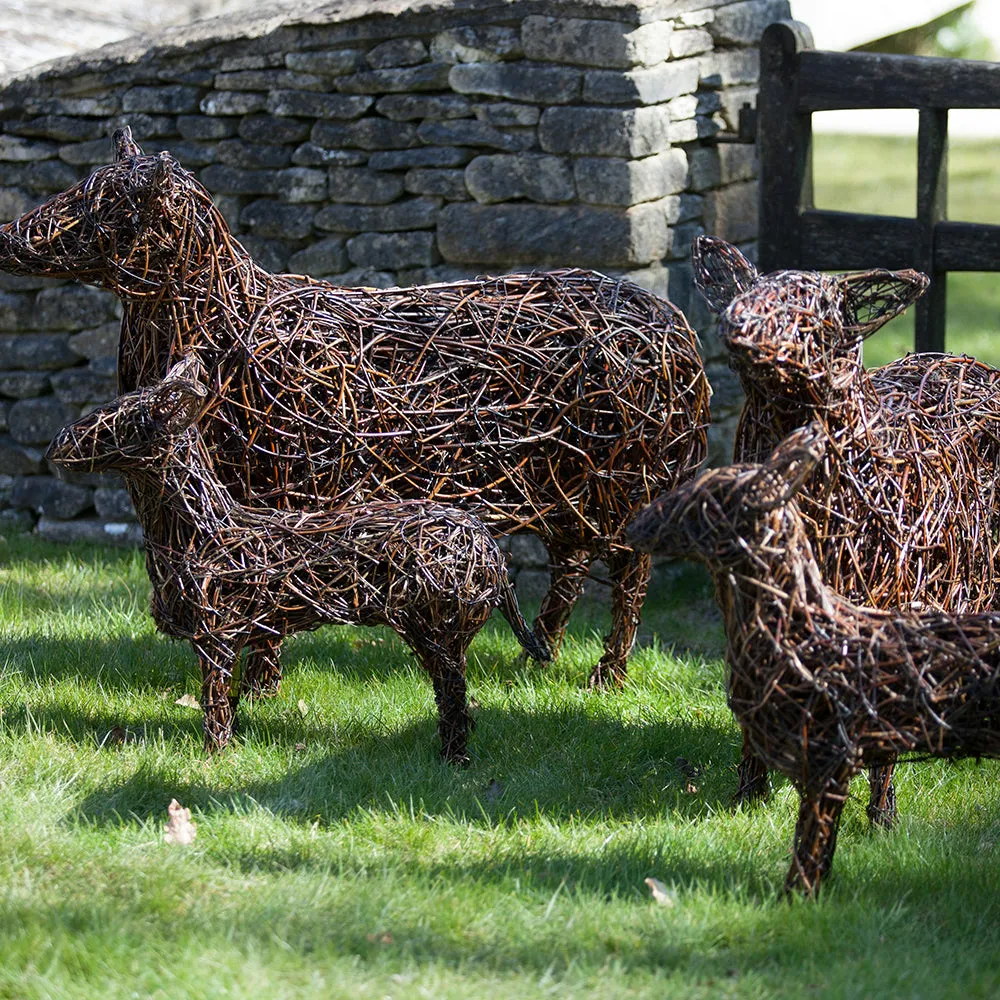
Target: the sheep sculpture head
pixel 797 333
pixel 115 229
pixel 135 430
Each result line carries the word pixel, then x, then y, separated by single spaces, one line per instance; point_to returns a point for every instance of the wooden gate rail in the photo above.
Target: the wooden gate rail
pixel 795 81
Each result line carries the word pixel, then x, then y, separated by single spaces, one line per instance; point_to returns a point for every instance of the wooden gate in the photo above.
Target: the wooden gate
pixel 795 81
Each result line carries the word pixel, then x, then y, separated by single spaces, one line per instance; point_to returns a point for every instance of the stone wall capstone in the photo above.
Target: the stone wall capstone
pixel 381 143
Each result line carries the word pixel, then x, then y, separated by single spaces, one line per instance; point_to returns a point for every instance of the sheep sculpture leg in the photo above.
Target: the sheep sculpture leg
pixel 568 565
pixel 816 832
pixel 752 783
pixel 217 699
pixel 881 809
pixel 261 676
pixel 629 572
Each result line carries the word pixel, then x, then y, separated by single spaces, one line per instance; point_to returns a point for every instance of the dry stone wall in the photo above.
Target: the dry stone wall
pixel 380 144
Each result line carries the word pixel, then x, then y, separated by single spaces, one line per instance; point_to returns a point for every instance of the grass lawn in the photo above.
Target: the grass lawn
pixel 335 856
pixel 879 175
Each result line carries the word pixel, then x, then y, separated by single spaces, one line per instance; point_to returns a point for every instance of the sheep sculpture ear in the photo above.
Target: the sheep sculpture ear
pixel 872 298
pixel 125 147
pixel 180 399
pixel 787 468
pixel 721 272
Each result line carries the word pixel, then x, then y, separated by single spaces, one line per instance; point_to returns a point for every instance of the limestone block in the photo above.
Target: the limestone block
pixel 61 128
pixel 327 256
pixel 202 127
pixel 113 504
pixel 415 213
pixel 17 459
pixel 252 156
pixel 302 184
pixel 378 133
pixel 42 175
pixel 16 309
pixel 331 62
pixel 628 133
pixel 397 52
pixel 520 82
pixel 641 86
pixel 429 76
pixel 273 219
pixel 434 107
pixel 96 530
pixel 309 105
pixel 50 496
pixel 447 184
pixel 83 385
pixel 194 154
pixel 269 79
pixel 70 307
pixel 220 179
pixel 744 23
pixel 232 102
pixel 86 154
pixel 562 235
pixel 466 133
pixel 476 44
pixel 358 185
pixel 613 181
pixel 504 113
pixel 36 421
pixel 534 176
pixel 22 385
pixel 428 156
pixel 175 100
pixel 311 155
pixel 74 107
pixel 689 42
pixel 730 68
pixel 584 42
pixel 731 212
pixel 14 149
pixel 270 129
pixel 392 250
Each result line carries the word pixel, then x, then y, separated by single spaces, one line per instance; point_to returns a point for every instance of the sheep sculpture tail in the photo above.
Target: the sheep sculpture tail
pixel 536 648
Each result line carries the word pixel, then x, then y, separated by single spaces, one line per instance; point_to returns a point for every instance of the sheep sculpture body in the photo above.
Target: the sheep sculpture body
pixel 904 510
pixel 822 686
pixel 432 573
pixel 557 403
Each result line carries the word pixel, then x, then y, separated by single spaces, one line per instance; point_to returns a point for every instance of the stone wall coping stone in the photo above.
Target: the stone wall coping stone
pixel 359 19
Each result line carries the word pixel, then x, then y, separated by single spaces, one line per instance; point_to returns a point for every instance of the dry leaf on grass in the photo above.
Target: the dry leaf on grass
pixel 662 895
pixel 179 829
pixel 303 708
pixel 188 701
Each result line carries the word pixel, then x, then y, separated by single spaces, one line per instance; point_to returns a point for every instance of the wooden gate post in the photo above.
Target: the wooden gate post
pixel 784 143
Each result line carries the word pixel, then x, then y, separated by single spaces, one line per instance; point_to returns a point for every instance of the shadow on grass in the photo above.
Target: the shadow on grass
pixel 563 761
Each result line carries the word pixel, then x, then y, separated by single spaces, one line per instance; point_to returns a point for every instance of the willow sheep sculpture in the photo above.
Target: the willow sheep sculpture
pixel 557 403
pixel 820 685
pixel 904 510
pixel 432 573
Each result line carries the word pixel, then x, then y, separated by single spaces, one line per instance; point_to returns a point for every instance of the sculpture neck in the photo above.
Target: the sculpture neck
pixel 180 501
pixel 196 298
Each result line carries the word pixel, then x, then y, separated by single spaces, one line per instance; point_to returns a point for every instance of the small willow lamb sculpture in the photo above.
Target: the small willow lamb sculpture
pixel 905 509
pixel 222 572
pixel 822 686
pixel 558 403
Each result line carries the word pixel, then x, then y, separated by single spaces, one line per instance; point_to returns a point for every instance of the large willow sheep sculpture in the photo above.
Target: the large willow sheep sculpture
pixel 820 685
pixel 556 403
pixel 905 509
pixel 222 571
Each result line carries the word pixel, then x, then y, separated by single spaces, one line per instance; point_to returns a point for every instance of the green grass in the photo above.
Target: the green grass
pixel 878 175
pixel 337 857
